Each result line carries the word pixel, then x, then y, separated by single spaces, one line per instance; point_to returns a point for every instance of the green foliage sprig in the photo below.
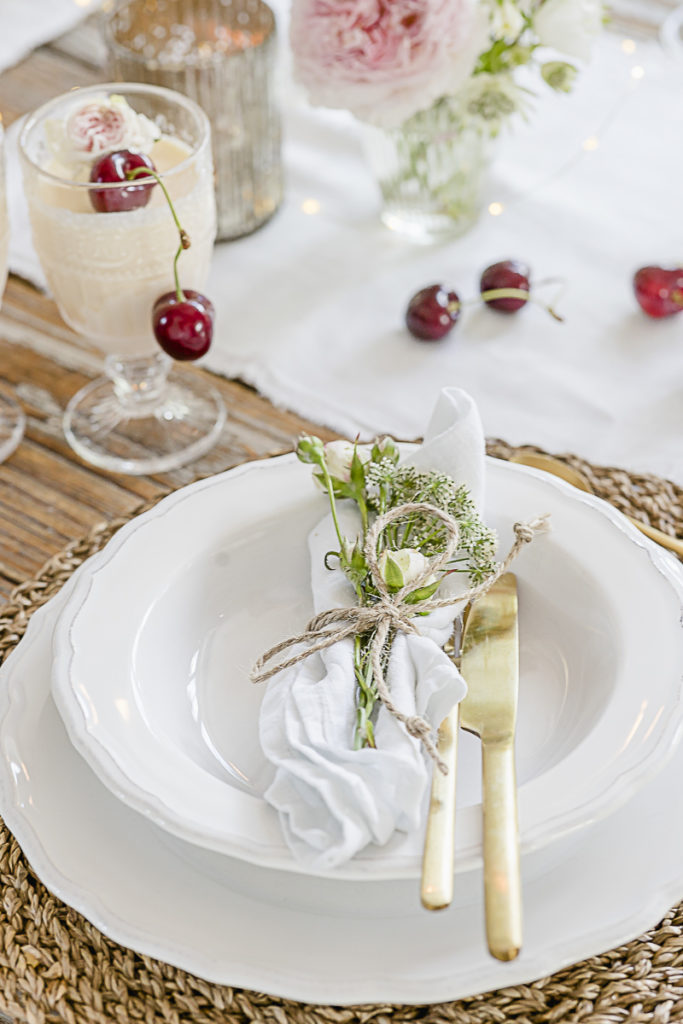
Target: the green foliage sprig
pixel 370 476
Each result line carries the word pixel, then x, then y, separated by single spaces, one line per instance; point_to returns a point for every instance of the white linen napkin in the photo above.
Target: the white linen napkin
pixel 334 800
pixel 30 23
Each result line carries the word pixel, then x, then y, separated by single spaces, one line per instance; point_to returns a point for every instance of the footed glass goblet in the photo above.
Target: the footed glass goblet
pixel 12 419
pixel 108 249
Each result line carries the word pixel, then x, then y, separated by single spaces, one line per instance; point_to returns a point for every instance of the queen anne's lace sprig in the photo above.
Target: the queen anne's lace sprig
pixel 391 610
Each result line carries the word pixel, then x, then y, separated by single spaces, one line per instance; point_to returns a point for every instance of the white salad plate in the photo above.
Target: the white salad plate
pixel 153 648
pixel 313 939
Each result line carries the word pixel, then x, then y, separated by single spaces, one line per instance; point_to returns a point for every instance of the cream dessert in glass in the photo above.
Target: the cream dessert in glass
pixel 108 247
pixel 12 419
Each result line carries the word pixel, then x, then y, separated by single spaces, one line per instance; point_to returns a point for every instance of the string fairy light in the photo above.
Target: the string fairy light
pixel 590 144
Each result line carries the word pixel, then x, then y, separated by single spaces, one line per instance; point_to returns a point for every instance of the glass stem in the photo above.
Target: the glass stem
pixel 139 384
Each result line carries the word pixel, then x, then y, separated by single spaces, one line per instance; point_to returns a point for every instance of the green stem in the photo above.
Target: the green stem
pixel 329 487
pixel 138 172
pixel 512 293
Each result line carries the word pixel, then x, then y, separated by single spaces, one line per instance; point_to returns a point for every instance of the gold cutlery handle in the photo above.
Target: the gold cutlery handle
pixel 672 543
pixel 436 889
pixel 502 884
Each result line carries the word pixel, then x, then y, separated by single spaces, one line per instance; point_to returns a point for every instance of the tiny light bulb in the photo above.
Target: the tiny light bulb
pixel 591 143
pixel 495 209
pixel 628 46
pixel 637 72
pixel 310 206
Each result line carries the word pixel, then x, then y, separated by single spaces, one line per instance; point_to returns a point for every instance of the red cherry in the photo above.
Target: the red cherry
pixel 659 290
pixel 506 274
pixel 432 312
pixel 183 329
pixel 113 167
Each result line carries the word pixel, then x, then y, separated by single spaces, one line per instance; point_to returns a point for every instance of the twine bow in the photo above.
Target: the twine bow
pixel 391 611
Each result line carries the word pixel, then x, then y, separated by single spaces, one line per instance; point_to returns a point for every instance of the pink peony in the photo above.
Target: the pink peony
pixel 385 59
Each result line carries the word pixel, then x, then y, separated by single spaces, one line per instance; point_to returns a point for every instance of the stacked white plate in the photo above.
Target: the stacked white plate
pixel 131 773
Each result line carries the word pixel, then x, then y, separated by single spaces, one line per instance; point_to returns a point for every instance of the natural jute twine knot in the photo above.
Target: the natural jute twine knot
pixel 391 611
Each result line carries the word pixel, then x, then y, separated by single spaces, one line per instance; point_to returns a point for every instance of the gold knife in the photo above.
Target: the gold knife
pixel 490 666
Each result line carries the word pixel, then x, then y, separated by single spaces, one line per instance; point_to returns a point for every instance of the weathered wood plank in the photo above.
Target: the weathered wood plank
pixel 37 79
pixel 48 497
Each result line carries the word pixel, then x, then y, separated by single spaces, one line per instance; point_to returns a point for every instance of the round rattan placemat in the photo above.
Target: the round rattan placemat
pixel 55 966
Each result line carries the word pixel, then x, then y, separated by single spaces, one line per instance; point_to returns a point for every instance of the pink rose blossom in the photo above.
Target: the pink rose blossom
pixel 385 59
pixel 96 129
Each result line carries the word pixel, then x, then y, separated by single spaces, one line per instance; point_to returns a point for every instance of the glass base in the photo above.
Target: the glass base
pixel 426 228
pixel 12 425
pixel 181 425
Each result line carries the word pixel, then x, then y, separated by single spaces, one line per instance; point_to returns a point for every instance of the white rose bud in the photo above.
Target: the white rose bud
pixel 569 25
pixel 402 567
pixel 339 456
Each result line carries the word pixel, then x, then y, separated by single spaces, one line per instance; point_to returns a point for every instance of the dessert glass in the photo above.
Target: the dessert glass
pixel 12 419
pixel 106 270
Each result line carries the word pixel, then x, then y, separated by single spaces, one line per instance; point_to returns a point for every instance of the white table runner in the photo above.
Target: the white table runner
pixel 309 309
pixel 26 24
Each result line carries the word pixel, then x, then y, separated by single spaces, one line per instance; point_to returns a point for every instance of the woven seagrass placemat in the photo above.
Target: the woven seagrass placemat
pixel 55 966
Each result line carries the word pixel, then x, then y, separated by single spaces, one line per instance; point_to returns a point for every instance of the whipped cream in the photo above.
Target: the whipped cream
pixel 103 124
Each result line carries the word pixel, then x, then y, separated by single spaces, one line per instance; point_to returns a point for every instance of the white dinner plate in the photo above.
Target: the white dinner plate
pixel 153 649
pixel 311 939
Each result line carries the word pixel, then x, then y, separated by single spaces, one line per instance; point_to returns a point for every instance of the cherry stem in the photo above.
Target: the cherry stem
pixel 505 293
pixel 182 234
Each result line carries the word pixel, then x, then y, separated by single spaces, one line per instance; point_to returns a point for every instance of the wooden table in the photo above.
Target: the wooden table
pixel 48 496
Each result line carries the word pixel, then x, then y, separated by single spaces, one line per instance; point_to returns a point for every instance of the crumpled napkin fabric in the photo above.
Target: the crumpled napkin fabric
pixel 333 800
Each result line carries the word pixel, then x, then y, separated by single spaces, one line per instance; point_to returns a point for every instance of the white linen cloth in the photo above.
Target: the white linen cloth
pixel 309 308
pixel 26 24
pixel 334 800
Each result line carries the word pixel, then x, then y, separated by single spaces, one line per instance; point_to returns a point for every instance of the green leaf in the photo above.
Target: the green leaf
pixel 393 575
pixel 358 559
pixel 357 473
pixel 423 593
pixel 341 488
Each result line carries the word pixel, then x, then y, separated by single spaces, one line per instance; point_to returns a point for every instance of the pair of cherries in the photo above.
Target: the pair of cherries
pixel 182 320
pixel 434 311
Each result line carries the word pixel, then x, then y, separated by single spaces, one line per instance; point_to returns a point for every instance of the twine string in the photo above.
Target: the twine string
pixel 390 611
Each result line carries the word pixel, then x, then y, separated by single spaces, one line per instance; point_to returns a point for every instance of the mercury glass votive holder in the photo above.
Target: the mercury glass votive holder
pixel 220 53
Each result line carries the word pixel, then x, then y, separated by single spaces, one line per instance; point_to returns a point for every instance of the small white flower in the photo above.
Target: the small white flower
pixel 402 567
pixel 103 124
pixel 569 26
pixel 507 20
pixel 339 455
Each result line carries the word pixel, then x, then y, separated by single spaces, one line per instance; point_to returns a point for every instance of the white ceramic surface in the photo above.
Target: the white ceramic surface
pixel 153 649
pixel 310 939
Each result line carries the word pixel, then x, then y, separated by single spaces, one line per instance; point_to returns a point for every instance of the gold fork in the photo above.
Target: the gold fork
pixel 436 888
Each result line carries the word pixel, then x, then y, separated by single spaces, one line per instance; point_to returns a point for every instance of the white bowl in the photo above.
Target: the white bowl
pixel 153 649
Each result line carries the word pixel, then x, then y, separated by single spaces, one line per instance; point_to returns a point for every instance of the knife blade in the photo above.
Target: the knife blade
pixel 490 667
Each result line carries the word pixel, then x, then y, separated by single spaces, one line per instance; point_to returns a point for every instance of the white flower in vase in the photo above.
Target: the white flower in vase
pixel 569 26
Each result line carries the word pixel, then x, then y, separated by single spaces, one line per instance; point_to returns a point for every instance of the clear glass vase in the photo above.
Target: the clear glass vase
pixel 431 171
